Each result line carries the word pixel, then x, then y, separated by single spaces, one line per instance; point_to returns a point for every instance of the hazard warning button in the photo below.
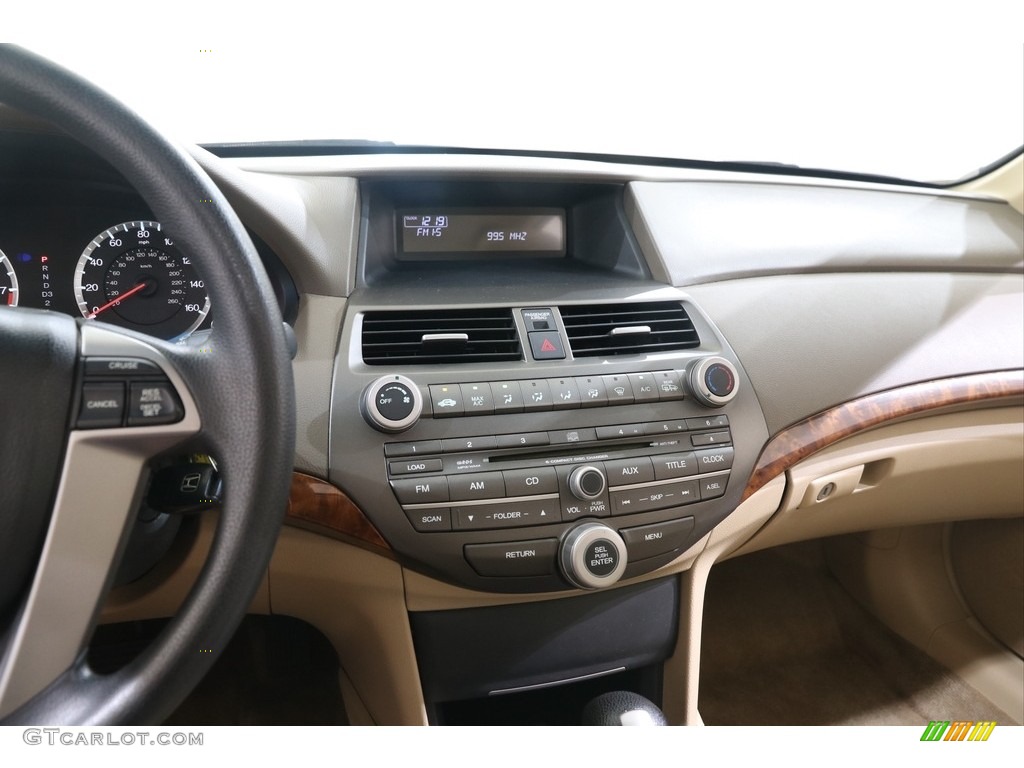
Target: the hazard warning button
pixel 547 345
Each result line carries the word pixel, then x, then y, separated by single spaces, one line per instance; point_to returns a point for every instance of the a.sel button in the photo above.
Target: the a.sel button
pixel 515 558
pixel 713 487
pixel 657 539
pixel 429 520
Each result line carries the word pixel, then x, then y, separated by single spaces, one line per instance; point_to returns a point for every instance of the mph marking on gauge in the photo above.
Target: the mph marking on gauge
pixel 126 276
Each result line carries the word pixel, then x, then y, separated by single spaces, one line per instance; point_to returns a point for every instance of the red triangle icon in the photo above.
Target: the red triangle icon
pixel 547 346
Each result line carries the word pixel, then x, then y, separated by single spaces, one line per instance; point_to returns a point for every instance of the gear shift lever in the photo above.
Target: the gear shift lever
pixel 622 708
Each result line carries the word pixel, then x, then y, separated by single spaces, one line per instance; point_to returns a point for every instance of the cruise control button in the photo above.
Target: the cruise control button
pixel 429 520
pixel 421 490
pixel 506 396
pixel 592 391
pixel 529 482
pixel 514 558
pixel 479 485
pixel 536 394
pixel 714 459
pixel 152 403
pixel 564 393
pixel 121 366
pixel 476 399
pixel 414 466
pixel 658 539
pixel 713 487
pixel 670 465
pixel 629 471
pixel 446 400
pixel 644 388
pixel 619 390
pixel 102 406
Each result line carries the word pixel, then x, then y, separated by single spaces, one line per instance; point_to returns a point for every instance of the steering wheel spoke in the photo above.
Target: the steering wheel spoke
pixel 103 477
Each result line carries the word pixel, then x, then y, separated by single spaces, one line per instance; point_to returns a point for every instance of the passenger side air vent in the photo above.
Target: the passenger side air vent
pixel 427 337
pixel 601 330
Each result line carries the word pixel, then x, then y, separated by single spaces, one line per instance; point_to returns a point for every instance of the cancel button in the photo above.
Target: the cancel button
pixel 515 558
pixel 657 539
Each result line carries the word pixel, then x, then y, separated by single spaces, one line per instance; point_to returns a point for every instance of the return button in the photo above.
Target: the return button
pixel 515 558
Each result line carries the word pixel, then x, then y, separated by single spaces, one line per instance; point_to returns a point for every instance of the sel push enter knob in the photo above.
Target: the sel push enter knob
pixel 593 556
pixel 713 381
pixel 392 404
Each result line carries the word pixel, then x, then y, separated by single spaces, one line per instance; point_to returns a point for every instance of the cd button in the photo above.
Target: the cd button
pixel 529 482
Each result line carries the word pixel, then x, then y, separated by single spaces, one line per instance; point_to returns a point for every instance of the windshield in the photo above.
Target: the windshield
pixel 845 93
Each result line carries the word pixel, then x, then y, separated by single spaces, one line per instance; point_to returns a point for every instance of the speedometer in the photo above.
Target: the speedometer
pixel 8 282
pixel 133 276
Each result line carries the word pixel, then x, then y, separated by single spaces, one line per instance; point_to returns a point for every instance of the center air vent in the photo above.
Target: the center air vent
pixel 430 337
pixel 601 330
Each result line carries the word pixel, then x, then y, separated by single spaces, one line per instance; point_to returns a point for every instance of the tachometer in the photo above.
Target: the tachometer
pixel 132 275
pixel 8 282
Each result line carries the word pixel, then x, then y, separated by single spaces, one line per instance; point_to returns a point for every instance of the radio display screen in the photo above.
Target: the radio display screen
pixel 432 233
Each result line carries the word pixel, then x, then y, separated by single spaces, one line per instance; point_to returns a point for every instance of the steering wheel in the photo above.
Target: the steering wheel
pixel 68 494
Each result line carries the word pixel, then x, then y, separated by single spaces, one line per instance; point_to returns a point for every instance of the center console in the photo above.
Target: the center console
pixel 518 406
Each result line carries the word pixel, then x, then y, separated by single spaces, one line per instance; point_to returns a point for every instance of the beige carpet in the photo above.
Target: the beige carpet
pixel 784 644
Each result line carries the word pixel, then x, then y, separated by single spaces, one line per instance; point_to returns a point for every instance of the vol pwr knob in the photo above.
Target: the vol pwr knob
pixel 587 483
pixel 392 404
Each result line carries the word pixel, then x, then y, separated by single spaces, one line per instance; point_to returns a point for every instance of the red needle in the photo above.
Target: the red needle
pixel 118 300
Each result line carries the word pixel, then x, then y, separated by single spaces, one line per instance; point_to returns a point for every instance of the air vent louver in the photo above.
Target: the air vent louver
pixel 602 330
pixel 431 337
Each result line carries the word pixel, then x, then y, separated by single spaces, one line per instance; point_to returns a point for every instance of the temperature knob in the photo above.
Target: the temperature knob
pixel 392 404
pixel 713 381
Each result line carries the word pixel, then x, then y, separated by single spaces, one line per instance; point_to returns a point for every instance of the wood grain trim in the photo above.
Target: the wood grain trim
pixel 808 437
pixel 318 506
